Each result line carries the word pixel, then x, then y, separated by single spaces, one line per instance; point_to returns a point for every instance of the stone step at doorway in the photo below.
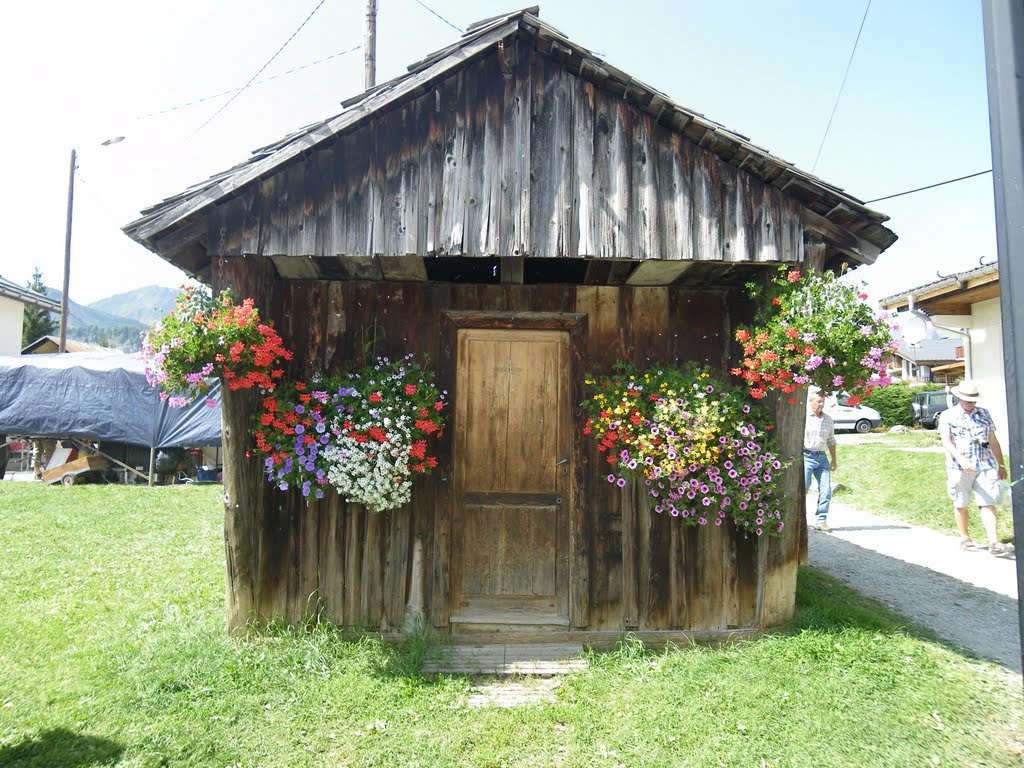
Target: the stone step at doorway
pixel 506 659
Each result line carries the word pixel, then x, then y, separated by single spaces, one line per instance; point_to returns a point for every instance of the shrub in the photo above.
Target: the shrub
pixel 893 403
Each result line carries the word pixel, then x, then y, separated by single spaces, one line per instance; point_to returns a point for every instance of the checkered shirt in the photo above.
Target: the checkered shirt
pixel 819 432
pixel 968 431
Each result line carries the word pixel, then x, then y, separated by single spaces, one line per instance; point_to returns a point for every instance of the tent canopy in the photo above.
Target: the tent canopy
pixel 102 396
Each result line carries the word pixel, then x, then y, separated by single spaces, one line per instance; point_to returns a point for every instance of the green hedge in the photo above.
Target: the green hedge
pixel 893 402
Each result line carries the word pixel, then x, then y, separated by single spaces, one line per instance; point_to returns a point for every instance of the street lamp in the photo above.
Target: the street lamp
pixel 62 347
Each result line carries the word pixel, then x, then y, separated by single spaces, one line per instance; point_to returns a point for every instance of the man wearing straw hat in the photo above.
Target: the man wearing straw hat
pixel 974 462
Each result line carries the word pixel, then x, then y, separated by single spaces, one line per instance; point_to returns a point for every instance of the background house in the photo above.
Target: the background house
pixel 13 300
pixel 930 360
pixel 46 345
pixel 965 306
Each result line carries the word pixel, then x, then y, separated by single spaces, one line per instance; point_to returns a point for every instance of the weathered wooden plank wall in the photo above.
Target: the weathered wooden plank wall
pixel 533 162
pixel 640 570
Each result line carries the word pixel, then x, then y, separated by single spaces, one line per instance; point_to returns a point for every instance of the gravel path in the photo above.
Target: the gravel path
pixel 967 598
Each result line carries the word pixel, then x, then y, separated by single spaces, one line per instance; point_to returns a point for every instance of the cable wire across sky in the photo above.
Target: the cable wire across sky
pixel 260 70
pixel 240 88
pixel 841 87
pixel 930 186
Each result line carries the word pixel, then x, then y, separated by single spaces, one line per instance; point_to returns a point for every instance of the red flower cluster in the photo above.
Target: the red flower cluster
pixel 250 360
pixel 626 399
pixel 764 367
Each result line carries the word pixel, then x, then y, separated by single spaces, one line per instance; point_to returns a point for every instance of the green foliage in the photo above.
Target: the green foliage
pixel 893 402
pixel 38 322
pixel 123 337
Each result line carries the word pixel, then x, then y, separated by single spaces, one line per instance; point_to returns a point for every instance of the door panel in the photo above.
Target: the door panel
pixel 511 550
pixel 509 539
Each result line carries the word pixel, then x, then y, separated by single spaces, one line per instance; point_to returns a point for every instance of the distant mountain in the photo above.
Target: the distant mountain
pixel 117 321
pixel 80 315
pixel 145 305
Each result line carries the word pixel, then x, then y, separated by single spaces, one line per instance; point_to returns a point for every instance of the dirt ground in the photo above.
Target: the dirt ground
pixel 967 598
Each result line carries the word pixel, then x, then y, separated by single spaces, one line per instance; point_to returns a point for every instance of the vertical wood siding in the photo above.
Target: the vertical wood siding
pixel 535 162
pixel 642 570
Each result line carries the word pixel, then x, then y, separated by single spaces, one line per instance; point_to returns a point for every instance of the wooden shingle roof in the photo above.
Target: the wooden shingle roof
pixel 837 216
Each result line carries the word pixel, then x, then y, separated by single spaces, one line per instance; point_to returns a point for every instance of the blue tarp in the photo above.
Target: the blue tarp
pixel 102 396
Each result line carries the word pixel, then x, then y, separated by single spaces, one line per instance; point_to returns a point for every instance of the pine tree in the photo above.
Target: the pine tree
pixel 38 322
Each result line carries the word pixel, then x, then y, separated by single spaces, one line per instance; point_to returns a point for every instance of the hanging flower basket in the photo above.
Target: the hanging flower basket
pixel 366 434
pixel 203 338
pixel 695 444
pixel 813 329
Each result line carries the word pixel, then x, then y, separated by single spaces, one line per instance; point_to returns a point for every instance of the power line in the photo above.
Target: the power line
pixel 442 18
pixel 842 85
pixel 260 70
pixel 930 186
pixel 292 71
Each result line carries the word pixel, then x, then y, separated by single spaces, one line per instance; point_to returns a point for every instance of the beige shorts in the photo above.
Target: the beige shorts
pixel 985 485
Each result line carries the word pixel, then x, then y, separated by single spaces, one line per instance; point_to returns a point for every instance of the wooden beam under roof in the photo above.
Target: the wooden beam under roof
pixel 841 239
pixel 658 272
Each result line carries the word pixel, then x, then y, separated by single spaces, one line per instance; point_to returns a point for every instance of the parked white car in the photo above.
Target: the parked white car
pixel 859 418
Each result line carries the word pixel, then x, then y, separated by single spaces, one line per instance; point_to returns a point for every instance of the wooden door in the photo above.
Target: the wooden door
pixel 512 467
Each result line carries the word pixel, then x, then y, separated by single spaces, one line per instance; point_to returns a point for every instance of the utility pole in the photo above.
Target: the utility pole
pixel 1004 60
pixel 67 259
pixel 370 44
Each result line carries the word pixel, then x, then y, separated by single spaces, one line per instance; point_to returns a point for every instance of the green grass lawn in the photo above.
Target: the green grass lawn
pixel 891 476
pixel 114 654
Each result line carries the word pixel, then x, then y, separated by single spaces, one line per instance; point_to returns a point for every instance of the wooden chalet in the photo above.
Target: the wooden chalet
pixel 521 212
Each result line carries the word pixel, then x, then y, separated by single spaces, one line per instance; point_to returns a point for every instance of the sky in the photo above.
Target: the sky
pixel 913 112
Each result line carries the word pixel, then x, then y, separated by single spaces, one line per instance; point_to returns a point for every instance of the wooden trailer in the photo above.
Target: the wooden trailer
pixel 521 212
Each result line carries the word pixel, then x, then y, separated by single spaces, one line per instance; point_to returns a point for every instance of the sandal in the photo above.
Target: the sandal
pixel 999 548
pixel 968 546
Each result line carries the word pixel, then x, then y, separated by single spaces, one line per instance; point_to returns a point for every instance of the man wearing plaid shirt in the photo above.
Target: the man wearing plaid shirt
pixel 819 436
pixel 974 462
